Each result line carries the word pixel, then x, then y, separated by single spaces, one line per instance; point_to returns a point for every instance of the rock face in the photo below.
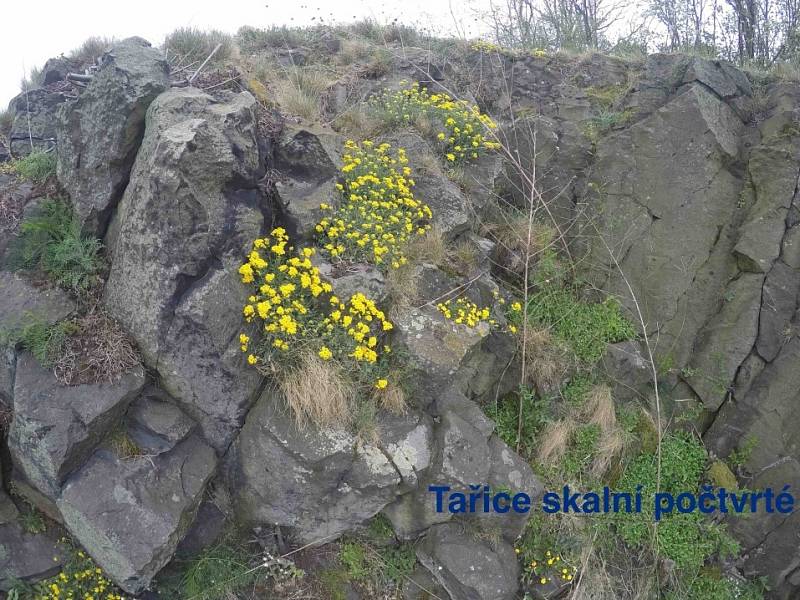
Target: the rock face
pixel 25 556
pixel 35 121
pixel 320 483
pixel 189 214
pixel 56 427
pixel 113 501
pixel 99 133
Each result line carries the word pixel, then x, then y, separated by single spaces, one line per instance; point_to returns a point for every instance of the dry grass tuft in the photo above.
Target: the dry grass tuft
pixel 123 446
pixel 599 408
pixel 393 399
pixel 317 394
pixel 299 91
pixel 546 359
pixel 97 350
pixel 89 51
pixel 510 234
pixel 555 440
pixel 429 248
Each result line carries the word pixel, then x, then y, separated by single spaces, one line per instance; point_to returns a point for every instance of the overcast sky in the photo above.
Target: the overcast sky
pixel 35 31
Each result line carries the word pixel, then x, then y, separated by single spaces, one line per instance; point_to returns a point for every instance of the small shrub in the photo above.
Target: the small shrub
pixel 52 242
pixel 186 45
pixel 251 39
pixel 37 167
pixel 461 128
pixel 378 214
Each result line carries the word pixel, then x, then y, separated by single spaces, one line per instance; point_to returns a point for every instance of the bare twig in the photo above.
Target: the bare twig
pixel 205 62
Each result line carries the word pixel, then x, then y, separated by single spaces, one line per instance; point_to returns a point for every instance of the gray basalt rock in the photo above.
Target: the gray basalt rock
pixel 56 427
pixel 100 132
pixel 183 227
pixel 322 482
pixel 25 556
pixel 130 514
pixel 444 353
pixel 308 161
pixel 35 121
pixel 21 301
pixel 468 568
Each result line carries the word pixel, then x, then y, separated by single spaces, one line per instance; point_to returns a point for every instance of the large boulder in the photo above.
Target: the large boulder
pixel 131 513
pixel 187 219
pixel 56 427
pixel 321 482
pixel 99 133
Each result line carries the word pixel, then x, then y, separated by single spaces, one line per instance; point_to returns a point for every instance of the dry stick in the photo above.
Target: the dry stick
pixel 653 375
pixel 205 62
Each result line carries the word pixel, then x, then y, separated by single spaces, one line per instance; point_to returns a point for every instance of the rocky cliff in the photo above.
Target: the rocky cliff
pixel 668 186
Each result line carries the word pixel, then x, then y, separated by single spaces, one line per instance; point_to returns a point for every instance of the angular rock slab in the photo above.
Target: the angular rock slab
pixel 469 569
pixel 25 556
pixel 99 133
pixel 56 427
pixel 21 302
pixel 443 353
pixel 130 514
pixel 183 227
pixel 321 483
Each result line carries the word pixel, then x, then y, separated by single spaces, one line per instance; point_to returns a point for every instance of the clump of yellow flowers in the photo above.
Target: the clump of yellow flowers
pixel 462 127
pixel 297 311
pixel 543 569
pixel 81 579
pixel 378 213
pixel 465 312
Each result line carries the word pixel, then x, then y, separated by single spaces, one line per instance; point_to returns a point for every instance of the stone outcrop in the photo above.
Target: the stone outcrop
pixel 34 127
pixel 189 214
pixel 322 482
pixel 99 132
pixel 56 427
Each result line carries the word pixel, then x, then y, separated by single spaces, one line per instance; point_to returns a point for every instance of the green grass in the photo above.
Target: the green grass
pixel 586 327
pixel 41 339
pixel 216 574
pixel 51 241
pixel 37 167
pixel 33 522
pixel 535 412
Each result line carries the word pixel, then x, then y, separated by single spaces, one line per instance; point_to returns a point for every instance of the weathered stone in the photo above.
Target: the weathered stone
pixel 188 217
pixel 155 424
pixel 664 178
pixel 778 305
pixel 25 556
pixel 56 427
pixel 56 69
pixel 364 278
pixel 628 370
pixel 723 80
pixel 724 343
pixel 445 353
pixel 99 133
pixel 321 482
pixel 308 161
pixel 35 121
pixel 130 514
pixel 773 170
pixel 432 186
pixel 21 302
pixel 468 568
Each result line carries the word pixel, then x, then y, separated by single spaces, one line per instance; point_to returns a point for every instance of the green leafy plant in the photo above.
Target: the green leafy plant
pixel 51 241
pixel 80 577
pixel 45 341
pixel 217 573
pixel 535 412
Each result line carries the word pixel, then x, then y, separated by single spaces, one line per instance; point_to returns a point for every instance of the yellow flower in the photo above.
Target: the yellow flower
pixel 381 384
pixel 325 353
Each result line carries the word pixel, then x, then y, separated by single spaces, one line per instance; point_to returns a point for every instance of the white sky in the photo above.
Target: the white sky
pixel 36 31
